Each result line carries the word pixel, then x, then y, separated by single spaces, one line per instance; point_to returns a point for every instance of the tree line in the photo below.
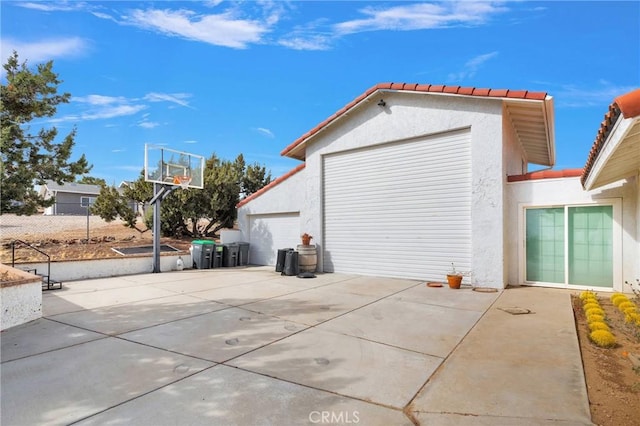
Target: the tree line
pixel 192 212
pixel 29 158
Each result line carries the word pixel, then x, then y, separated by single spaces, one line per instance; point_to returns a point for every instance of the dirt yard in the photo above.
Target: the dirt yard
pixel 65 238
pixel 613 382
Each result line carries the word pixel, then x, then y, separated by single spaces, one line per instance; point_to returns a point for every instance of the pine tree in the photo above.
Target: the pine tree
pixel 31 158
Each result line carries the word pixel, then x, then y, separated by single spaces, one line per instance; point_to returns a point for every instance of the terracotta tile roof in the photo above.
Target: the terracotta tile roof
pixel 546 174
pixel 271 185
pixel 414 87
pixel 627 105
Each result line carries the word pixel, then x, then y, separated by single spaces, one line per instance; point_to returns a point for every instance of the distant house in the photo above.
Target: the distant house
pixel 71 198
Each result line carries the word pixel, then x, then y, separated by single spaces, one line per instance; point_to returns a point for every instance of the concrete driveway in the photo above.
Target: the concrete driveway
pixel 247 346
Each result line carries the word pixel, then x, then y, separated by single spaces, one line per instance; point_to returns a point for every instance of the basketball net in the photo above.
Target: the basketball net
pixel 182 180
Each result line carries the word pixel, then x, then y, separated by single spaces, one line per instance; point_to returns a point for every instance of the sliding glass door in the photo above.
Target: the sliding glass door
pixel 570 245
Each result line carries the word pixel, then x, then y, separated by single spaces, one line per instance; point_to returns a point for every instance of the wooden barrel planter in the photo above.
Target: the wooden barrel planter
pixel 307 258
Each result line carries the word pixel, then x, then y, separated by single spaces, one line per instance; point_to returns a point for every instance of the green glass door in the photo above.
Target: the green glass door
pixel 591 246
pixel 587 245
pixel 545 245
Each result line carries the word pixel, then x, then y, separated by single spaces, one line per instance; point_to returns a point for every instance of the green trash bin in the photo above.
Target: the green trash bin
pixel 202 253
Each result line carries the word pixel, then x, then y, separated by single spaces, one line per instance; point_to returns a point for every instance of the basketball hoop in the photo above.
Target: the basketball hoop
pixel 182 180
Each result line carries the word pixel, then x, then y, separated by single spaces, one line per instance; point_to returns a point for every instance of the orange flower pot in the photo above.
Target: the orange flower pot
pixel 454 281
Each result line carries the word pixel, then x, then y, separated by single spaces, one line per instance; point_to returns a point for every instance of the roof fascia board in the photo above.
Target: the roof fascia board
pixel 549 121
pixel 332 120
pixel 294 151
pixel 614 139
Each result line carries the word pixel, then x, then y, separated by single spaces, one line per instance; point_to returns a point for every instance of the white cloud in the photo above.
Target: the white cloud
pixel 49 6
pixel 112 112
pixel 148 124
pixel 98 107
pixel 118 150
pixel 177 98
pixel 99 99
pixel 312 42
pixel 268 133
pixel 190 142
pixel 103 15
pixel 44 50
pixel 421 16
pixel 222 29
pixel 471 67
pixel 601 95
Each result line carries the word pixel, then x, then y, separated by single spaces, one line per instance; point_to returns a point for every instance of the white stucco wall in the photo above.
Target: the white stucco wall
pixel 289 196
pixel 20 297
pixel 20 304
pixel 112 267
pixel 568 191
pixel 408 116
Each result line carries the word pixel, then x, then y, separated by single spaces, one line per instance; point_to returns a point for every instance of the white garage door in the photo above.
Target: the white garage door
pixel 270 232
pixel 399 209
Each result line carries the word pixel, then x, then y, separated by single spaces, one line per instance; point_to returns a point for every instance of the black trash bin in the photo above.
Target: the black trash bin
pixel 217 257
pixel 282 253
pixel 202 253
pixel 243 253
pixel 291 266
pixel 230 255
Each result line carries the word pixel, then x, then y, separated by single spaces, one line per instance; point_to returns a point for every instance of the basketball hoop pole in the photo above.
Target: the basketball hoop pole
pixel 157 196
pixel 160 191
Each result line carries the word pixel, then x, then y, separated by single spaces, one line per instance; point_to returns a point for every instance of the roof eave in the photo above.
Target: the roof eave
pixel 297 149
pixel 550 128
pixel 614 139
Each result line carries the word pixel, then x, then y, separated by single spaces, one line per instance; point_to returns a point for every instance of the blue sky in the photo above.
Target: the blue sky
pixel 251 77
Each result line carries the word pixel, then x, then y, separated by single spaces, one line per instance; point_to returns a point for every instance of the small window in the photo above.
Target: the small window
pixel 87 201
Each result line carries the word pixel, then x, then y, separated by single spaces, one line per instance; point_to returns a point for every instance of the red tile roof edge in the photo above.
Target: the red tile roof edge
pixel 545 174
pixel 627 105
pixel 271 184
pixel 413 87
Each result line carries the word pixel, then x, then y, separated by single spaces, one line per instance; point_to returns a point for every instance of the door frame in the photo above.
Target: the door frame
pixel 616 231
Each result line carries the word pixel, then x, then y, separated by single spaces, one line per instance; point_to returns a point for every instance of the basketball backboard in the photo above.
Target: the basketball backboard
pixel 171 167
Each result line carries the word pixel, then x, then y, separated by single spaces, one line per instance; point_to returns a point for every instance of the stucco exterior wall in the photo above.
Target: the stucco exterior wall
pixel 408 116
pixel 20 297
pixel 289 196
pixel 112 267
pixel 514 163
pixel 568 191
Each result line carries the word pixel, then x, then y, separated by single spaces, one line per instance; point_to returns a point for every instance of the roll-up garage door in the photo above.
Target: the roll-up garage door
pixel 400 209
pixel 270 232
